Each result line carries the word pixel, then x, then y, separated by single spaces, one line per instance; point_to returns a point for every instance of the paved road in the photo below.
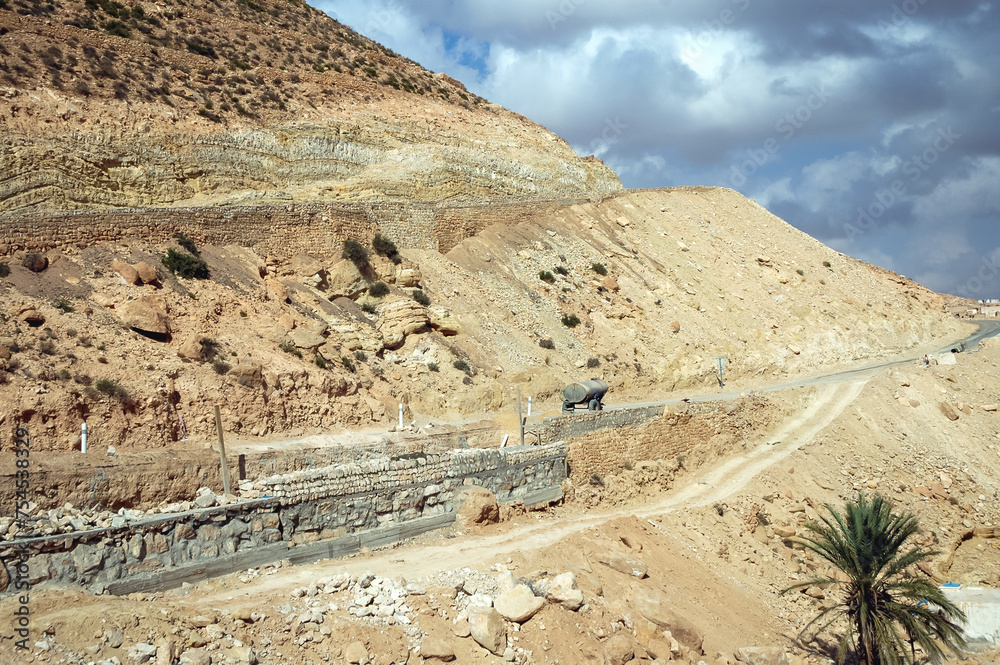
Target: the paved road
pixel 986 329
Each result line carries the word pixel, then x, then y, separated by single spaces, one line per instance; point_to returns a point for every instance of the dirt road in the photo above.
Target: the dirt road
pixel 713 483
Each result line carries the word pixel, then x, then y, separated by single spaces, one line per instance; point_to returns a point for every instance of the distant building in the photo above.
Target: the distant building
pixel 990 312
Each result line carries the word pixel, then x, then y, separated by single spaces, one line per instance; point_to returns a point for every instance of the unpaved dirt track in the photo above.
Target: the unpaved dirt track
pixel 713 483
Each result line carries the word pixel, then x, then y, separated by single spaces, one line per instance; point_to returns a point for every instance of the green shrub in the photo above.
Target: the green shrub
pixel 593 362
pixel 368 307
pixel 546 276
pixel 64 375
pixel 570 320
pixel 220 366
pixel 386 248
pixel 561 270
pixel 433 367
pixel 378 290
pixel 288 347
pixel 348 363
pixel 209 347
pixel 185 265
pixel 361 356
pixel 801 272
pixel 421 297
pixel 599 268
pixel 321 362
pixel 111 388
pixel 826 264
pixel 355 252
pixel 243 314
pixel 4 269
pixel 187 243
pixel 63 306
pixel 462 366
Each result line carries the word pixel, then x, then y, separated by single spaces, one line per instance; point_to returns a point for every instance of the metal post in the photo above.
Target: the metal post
pixel 529 406
pixel 83 438
pixel 520 420
pixel 222 451
pixel 400 416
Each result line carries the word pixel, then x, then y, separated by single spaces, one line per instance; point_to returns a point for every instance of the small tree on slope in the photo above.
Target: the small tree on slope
pixel 883 612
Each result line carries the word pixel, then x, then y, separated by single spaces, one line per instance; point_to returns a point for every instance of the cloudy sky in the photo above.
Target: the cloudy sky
pixel 871 125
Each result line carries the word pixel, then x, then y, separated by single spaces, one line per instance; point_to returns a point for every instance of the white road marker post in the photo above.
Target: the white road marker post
pixel 400 416
pixel 83 438
pixel 222 452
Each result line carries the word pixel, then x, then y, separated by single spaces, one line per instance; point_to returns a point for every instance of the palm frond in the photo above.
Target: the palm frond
pixel 886 616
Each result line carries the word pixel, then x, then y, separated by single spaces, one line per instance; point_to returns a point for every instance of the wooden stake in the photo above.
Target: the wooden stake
pixel 222 451
pixel 520 420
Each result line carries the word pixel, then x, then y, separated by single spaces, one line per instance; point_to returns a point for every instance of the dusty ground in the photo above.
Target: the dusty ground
pixel 713 545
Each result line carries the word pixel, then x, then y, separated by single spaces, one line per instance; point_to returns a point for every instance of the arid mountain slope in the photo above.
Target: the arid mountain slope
pixel 207 102
pixel 312 343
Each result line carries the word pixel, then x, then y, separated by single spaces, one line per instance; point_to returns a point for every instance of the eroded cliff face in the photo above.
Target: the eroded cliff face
pixel 91 119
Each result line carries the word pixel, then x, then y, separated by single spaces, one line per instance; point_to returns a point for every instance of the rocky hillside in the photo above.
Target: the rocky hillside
pixel 109 104
pixel 645 290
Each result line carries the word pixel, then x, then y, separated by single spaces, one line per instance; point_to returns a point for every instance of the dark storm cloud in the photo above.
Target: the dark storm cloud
pixel 871 125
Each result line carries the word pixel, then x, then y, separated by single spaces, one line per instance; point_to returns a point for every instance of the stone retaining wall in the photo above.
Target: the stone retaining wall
pixel 688 433
pixel 306 507
pixel 566 427
pixel 280 230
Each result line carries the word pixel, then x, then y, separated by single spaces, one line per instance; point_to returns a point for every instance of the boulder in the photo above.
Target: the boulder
pixel 443 321
pixel 625 564
pixel 191 349
pixel 356 653
pixel 127 272
pixel 948 411
pixel 436 647
pixel 35 262
pixel 519 604
pixel 398 319
pixel 408 277
pixel 479 506
pixel 653 606
pixel 196 657
pixel 306 339
pixel 762 656
pixel 247 374
pixel 662 649
pixel 32 317
pixel 147 273
pixel 344 280
pixel 487 628
pixel 619 649
pixel 166 653
pixel 562 591
pixel 276 291
pixel 147 315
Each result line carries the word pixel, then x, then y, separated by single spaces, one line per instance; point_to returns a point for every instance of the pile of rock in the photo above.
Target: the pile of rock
pixel 35 522
pixel 381 601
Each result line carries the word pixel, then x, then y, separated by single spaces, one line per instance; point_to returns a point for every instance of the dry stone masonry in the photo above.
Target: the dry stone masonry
pixel 329 504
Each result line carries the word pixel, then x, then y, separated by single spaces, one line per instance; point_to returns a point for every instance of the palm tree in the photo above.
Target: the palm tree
pixel 887 612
